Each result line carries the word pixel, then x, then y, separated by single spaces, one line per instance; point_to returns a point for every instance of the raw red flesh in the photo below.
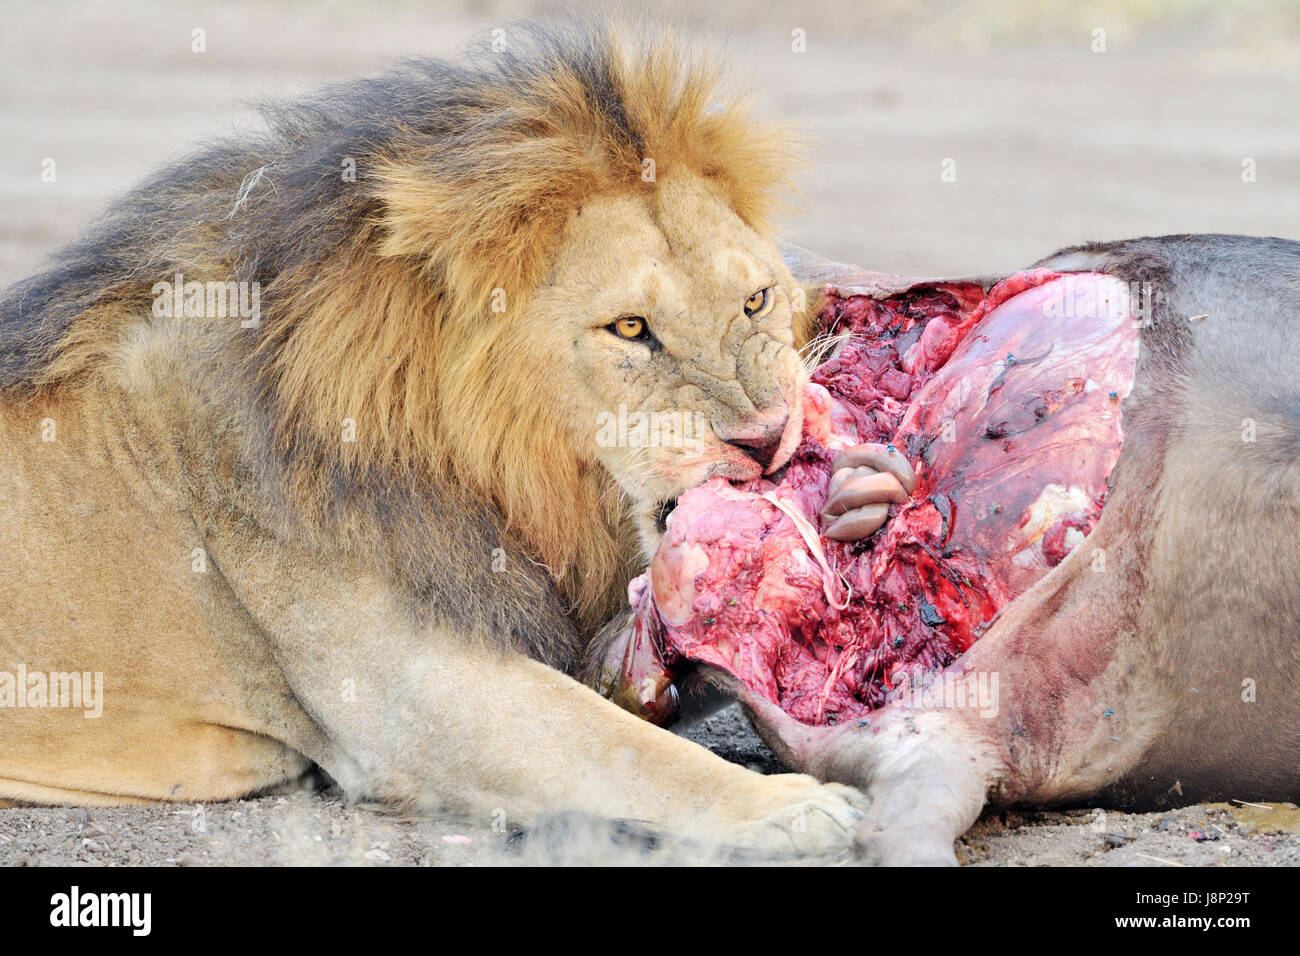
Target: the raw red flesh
pixel 1008 405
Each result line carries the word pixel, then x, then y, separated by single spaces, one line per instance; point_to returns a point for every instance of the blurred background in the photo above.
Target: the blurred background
pixel 950 137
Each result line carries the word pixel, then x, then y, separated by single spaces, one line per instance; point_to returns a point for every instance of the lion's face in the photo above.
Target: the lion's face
pixel 670 324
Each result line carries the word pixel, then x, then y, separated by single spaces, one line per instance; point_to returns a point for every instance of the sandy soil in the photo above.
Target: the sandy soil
pixel 313 826
pixel 1052 144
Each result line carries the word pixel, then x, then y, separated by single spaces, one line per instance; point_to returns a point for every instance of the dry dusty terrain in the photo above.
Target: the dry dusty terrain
pixel 315 827
pixel 1052 143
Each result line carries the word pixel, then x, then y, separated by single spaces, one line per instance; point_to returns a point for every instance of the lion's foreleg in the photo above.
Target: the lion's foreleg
pixel 420 714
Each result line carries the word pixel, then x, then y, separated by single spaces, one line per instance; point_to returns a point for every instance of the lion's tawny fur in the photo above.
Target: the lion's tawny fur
pixel 372 529
pixel 378 293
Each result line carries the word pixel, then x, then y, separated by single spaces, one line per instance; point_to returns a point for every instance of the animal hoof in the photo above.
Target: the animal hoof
pixel 903 846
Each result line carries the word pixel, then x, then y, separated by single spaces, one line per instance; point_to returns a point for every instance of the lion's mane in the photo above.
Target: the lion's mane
pixel 376 294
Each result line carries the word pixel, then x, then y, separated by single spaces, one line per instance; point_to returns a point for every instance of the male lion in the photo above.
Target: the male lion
pixel 305 446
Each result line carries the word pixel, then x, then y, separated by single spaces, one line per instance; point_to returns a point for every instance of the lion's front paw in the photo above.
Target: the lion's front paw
pixel 809 817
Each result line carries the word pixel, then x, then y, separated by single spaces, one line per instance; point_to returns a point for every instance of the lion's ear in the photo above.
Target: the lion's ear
pixel 754 161
pixel 686 114
pixel 482 207
pixel 485 222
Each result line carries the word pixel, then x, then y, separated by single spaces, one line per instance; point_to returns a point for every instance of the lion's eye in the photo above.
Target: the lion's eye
pixel 757 303
pixel 631 327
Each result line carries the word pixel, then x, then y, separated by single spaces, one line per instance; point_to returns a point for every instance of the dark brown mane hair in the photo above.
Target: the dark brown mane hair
pixel 376 292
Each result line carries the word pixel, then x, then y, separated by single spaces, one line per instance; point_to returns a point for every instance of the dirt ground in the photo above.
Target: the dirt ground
pixel 311 826
pixel 1185 121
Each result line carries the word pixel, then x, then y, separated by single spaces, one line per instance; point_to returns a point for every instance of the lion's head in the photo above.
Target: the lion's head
pixel 617 317
pixel 667 324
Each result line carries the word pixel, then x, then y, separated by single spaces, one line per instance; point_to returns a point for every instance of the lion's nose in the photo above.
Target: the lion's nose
pixel 758 437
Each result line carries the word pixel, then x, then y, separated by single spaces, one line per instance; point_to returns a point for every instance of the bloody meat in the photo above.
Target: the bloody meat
pixel 1007 401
